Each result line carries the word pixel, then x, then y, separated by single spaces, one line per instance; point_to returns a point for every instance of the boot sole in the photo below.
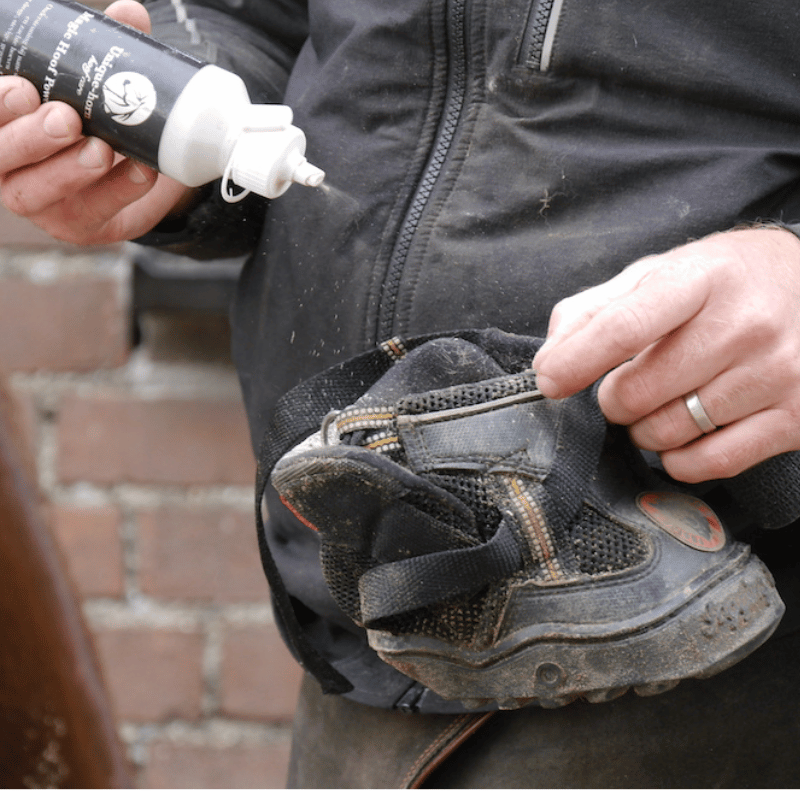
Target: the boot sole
pixel 718 624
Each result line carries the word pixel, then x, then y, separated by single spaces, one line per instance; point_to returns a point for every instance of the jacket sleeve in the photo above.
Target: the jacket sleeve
pixel 259 41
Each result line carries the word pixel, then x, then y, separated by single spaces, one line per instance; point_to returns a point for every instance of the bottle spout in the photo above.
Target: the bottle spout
pixel 267 162
pixel 307 174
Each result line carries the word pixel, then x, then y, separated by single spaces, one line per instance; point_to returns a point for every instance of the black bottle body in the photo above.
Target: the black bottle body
pixel 122 82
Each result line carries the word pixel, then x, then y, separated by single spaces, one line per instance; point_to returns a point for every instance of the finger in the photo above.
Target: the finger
pixel 17 98
pixel 735 448
pixel 673 426
pixel 573 313
pixel 733 395
pixel 669 428
pixel 85 217
pixel 143 214
pixel 37 136
pixel 31 191
pixel 664 299
pixel 130 13
pixel 675 365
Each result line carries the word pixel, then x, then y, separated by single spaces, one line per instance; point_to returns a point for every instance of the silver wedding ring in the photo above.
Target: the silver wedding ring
pixel 699 413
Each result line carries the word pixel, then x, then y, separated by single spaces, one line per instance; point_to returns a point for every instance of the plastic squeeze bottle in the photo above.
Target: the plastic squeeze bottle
pixel 190 120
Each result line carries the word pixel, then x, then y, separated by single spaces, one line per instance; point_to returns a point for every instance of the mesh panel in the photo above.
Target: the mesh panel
pixel 603 546
pixel 474 493
pixel 342 569
pixel 469 394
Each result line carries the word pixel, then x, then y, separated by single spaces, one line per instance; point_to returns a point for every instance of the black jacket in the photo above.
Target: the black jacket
pixel 483 161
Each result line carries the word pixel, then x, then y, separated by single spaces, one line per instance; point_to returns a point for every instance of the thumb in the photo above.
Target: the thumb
pixel 130 13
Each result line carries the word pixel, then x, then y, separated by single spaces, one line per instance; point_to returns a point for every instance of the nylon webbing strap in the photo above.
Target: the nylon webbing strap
pixel 581 437
pixel 436 577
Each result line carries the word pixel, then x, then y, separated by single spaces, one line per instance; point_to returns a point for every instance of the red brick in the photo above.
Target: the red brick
pixel 90 541
pixel 152 675
pixel 71 325
pixel 115 438
pixel 24 414
pixel 173 766
pixel 200 554
pixel 259 678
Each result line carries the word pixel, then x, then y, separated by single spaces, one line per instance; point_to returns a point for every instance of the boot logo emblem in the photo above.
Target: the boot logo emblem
pixel 684 517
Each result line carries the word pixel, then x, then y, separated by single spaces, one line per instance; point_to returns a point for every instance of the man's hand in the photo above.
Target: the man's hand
pixel 720 316
pixel 73 187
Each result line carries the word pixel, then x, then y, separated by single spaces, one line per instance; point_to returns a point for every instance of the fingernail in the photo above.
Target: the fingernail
pixel 17 102
pixel 91 156
pixel 56 123
pixel 136 175
pixel 547 387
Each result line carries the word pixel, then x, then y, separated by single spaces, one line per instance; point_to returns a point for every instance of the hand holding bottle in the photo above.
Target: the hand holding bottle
pixel 77 188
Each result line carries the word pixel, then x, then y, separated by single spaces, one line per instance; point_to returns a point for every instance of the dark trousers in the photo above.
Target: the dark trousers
pixel 739 729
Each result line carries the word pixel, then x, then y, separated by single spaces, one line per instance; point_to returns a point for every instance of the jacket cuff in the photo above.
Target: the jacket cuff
pixel 212 229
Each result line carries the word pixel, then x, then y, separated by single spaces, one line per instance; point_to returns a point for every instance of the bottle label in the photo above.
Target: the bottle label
pixel 122 83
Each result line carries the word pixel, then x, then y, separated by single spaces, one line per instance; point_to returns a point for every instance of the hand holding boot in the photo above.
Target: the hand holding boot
pixel 719 317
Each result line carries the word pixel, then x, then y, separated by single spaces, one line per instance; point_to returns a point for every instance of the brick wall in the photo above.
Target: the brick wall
pixel 142 457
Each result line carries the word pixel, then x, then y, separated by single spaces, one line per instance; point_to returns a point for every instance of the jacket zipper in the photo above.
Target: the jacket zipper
pixel 453 105
pixel 540 33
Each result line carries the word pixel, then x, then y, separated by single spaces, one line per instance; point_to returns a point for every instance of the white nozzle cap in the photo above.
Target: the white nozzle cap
pixel 267 117
pixel 268 162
